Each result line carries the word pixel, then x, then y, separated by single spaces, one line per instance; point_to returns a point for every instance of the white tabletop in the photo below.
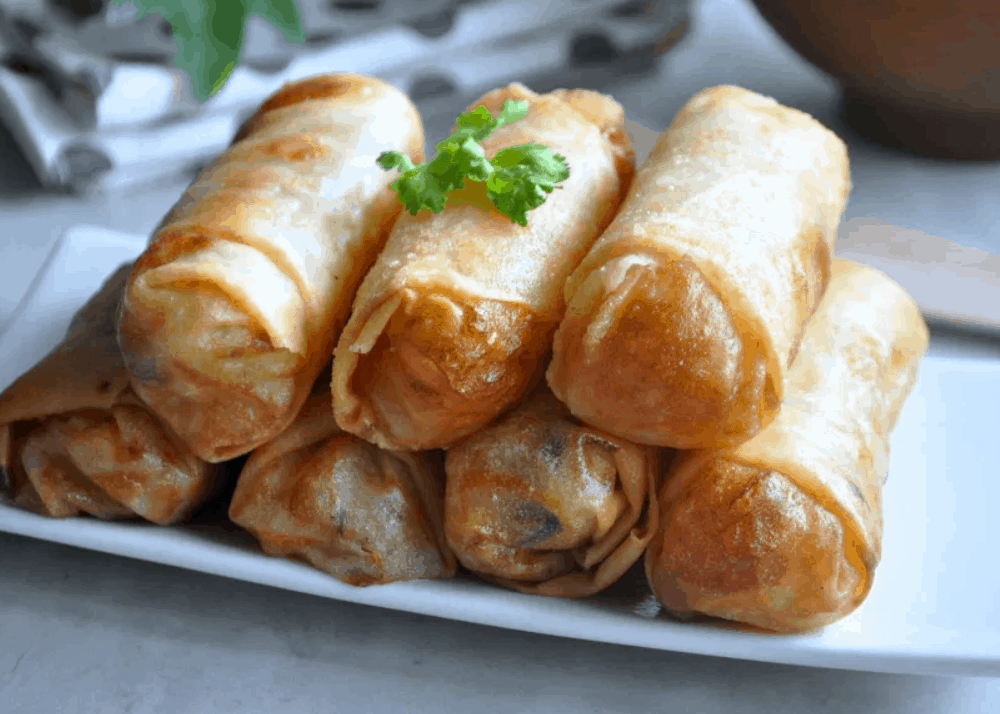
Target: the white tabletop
pixel 84 632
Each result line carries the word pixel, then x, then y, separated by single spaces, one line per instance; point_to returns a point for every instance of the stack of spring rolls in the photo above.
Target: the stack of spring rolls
pixel 665 363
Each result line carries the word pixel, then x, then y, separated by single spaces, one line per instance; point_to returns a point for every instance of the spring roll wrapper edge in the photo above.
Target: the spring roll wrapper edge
pixel 75 439
pixel 362 514
pixel 542 504
pixel 732 219
pixel 453 322
pixel 235 306
pixel 784 532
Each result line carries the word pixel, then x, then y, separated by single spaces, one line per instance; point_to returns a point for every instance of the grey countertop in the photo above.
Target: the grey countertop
pixel 82 632
pixel 85 632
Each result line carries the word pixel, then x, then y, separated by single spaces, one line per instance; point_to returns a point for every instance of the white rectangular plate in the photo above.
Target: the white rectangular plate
pixel 932 609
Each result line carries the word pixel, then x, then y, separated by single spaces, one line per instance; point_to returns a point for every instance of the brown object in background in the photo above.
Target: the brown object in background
pixel 784 532
pixel 543 504
pixel 74 438
pixel 922 75
pixel 453 323
pixel 683 318
pixel 361 514
pixel 235 306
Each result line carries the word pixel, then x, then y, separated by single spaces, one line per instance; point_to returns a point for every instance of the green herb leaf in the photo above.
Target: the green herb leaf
pixel 210 33
pixel 523 178
pixel 518 179
pixel 283 14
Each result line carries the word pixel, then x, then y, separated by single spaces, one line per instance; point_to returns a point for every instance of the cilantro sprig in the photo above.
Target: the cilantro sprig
pixel 518 179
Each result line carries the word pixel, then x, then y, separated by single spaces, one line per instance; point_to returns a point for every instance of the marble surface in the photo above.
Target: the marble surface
pixel 84 632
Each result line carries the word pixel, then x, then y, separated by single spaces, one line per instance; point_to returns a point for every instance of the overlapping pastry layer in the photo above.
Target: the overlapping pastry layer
pixel 347 507
pixel 785 531
pixel 234 308
pixel 453 323
pixel 75 439
pixel 543 504
pixel 683 318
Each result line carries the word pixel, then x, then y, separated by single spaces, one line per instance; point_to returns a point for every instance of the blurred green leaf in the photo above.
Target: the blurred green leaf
pixel 283 14
pixel 210 33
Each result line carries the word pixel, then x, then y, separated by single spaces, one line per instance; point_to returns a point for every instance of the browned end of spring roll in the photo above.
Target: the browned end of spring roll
pixel 362 514
pixel 234 308
pixel 784 531
pixel 747 544
pixel 683 318
pixel 74 438
pixel 452 325
pixel 543 504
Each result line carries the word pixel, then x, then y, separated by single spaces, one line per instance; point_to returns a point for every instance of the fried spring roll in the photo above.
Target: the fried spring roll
pixel 362 514
pixel 683 318
pixel 542 504
pixel 453 323
pixel 74 438
pixel 784 532
pixel 236 304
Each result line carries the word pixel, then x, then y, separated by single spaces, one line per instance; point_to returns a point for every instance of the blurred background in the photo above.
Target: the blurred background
pixel 99 126
pixel 93 99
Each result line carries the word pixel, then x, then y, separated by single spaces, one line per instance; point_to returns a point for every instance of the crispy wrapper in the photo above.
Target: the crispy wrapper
pixel 452 325
pixel 236 304
pixel 364 515
pixel 543 504
pixel 784 532
pixel 683 318
pixel 75 439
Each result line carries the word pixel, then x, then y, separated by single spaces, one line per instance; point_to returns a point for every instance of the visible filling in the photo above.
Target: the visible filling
pixel 349 509
pixel 534 515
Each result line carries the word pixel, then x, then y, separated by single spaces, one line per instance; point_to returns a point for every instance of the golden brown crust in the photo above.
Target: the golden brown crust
pixel 488 358
pixel 735 213
pixel 321 87
pixel 75 439
pixel 496 286
pixel 238 301
pixel 542 504
pixel 784 531
pixel 745 544
pixel 694 385
pixel 362 514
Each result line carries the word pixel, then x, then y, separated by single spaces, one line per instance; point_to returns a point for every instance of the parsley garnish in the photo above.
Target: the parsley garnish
pixel 518 179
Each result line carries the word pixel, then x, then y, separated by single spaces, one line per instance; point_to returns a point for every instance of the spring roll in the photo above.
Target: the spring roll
pixel 784 532
pixel 452 325
pixel 543 504
pixel 237 303
pixel 75 439
pixel 345 506
pixel 682 320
